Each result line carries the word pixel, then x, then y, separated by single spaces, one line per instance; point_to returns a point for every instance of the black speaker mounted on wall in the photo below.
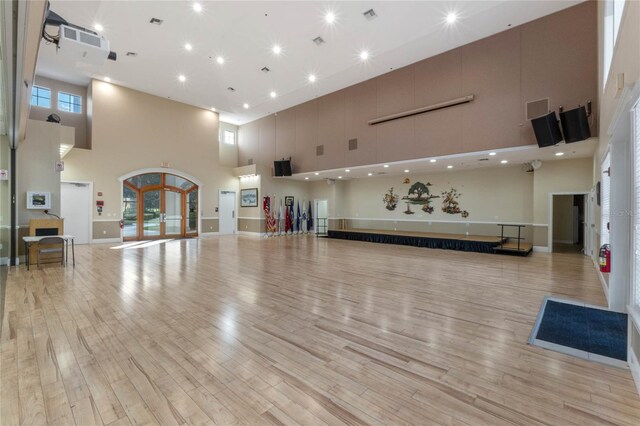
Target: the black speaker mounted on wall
pixel 282 168
pixel 575 125
pixel 547 130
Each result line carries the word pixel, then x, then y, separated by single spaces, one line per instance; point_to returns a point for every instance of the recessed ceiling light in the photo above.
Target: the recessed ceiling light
pixel 347 170
pixel 316 173
pixel 559 154
pixel 504 161
pixel 433 160
pixel 364 55
pixel 182 78
pixel 245 106
pixel 188 46
pixel 276 49
pixel 107 79
pixel 213 109
pixel 492 154
pixel 197 7
pixel 98 27
pixel 406 170
pixel 451 17
pixel 220 60
pixel 330 17
pixel 369 174
pixel 273 94
pixel 386 166
pixel 449 167
pixel 306 178
pixel 339 177
pixel 312 78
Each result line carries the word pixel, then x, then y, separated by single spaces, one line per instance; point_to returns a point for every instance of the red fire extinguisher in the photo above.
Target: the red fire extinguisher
pixel 122 224
pixel 605 258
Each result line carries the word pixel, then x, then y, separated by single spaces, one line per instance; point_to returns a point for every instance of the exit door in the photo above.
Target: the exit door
pixel 227 213
pixel 162 211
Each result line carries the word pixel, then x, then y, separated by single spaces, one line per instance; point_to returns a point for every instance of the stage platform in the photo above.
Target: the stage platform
pixel 461 242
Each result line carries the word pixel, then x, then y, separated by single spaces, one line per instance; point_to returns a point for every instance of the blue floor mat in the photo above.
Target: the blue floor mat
pixel 592 330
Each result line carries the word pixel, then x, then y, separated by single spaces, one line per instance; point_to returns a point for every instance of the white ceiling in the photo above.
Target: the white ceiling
pixel 243 32
pixel 518 156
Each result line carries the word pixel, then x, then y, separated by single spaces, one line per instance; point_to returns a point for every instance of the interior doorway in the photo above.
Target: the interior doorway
pixel 227 213
pixel 75 209
pixel 569 227
pixel 159 205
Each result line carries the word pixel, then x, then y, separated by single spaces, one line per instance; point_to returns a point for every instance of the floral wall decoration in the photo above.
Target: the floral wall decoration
pixel 390 200
pixel 420 194
pixel 450 204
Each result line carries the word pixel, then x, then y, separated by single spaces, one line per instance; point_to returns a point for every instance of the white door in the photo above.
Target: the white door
pixel 227 213
pixel 75 209
pixel 590 234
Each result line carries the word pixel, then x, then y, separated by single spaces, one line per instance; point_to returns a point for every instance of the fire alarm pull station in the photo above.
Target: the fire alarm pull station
pixel 99 206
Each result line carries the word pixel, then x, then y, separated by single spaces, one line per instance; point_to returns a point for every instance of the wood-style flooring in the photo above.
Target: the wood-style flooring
pixel 298 330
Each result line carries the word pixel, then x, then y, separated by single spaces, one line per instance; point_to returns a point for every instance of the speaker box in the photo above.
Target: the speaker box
pixel 286 167
pixel 575 125
pixel 547 130
pixel 277 168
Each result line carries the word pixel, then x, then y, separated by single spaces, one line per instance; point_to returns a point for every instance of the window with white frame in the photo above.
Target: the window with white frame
pixel 636 205
pixel 229 137
pixel 612 19
pixel 41 97
pixel 68 102
pixel 605 198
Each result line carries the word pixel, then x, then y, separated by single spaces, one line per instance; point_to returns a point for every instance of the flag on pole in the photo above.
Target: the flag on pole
pixel 298 218
pixel 304 218
pixel 310 219
pixel 279 219
pixel 268 215
pixel 287 220
pixel 292 216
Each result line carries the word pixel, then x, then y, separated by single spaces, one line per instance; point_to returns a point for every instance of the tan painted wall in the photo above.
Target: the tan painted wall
pixel 552 57
pixel 228 153
pixel 132 130
pixel 563 218
pixel 35 165
pixel 571 176
pixel 77 121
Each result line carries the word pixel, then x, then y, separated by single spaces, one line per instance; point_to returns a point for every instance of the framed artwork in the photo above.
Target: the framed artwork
pixel 288 200
pixel 249 197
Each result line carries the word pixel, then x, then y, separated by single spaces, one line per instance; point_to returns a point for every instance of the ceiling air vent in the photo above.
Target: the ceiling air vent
pixel 265 70
pixel 353 144
pixel 318 41
pixel 483 159
pixel 132 54
pixel 537 108
pixel 156 21
pixel 370 14
pixel 231 89
pixel 319 150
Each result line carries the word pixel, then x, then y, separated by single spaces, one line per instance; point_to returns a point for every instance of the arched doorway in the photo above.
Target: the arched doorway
pixel 159 205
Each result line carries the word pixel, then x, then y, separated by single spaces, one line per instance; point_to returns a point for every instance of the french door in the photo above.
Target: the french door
pixel 159 205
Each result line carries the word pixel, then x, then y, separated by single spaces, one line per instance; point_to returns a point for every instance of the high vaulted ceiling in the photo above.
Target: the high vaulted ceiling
pixel 244 33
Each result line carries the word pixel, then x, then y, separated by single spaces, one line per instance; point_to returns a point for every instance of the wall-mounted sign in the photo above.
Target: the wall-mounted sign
pixel 59 166
pixel 4 174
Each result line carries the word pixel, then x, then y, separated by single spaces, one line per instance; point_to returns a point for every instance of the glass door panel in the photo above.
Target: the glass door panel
pixel 191 201
pixel 173 212
pixel 151 213
pixel 130 213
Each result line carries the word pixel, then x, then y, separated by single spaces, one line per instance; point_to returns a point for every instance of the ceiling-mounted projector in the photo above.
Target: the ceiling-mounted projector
pixel 76 43
pixel 83 46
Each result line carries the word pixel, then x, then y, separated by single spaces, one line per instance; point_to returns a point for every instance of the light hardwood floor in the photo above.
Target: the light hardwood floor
pixel 243 330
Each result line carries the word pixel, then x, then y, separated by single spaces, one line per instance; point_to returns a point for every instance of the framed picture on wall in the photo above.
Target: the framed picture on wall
pixel 249 197
pixel 288 200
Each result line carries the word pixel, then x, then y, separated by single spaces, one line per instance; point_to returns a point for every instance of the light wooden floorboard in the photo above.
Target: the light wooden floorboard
pixel 297 330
